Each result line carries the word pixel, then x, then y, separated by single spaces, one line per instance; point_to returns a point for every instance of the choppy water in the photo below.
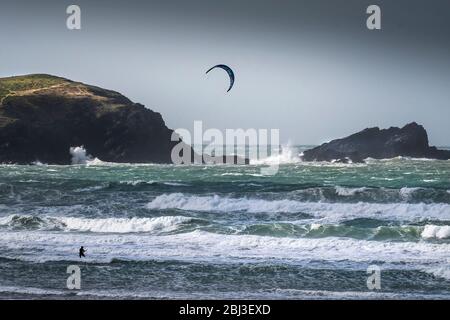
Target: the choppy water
pixel 164 231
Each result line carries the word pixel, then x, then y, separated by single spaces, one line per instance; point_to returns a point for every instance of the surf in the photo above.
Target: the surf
pixel 100 225
pixel 326 210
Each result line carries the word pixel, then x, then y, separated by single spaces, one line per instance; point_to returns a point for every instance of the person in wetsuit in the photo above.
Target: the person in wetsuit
pixel 82 251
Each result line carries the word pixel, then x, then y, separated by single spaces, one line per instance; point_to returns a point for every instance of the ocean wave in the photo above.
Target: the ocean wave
pixel 353 295
pixel 92 188
pixel 375 194
pixel 399 158
pixel 380 233
pixel 135 182
pixel 105 225
pixel 81 157
pixel 438 232
pixel 165 224
pixel 441 272
pixel 138 182
pixel 175 184
pixel 31 291
pixel 318 230
pixel 124 225
pixel 383 194
pixel 288 155
pixel 292 155
pixel 31 222
pixel 266 294
pixel 407 193
pixel 238 174
pixel 271 293
pixel 205 246
pixel 385 178
pixel 343 191
pixel 327 211
pixel 131 183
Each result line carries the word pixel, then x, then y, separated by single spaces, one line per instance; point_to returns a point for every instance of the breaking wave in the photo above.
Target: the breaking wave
pixel 287 155
pixel 346 230
pixel 438 232
pixel 106 225
pixel 327 211
pixel 343 191
pixel 356 229
pixel 399 158
pixel 80 156
pixel 205 246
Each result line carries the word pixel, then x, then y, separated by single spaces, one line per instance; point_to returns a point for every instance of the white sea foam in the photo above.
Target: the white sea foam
pixel 275 293
pixel 439 232
pixel 30 291
pixel 89 189
pixel 124 225
pixel 148 182
pixel 105 225
pixel 79 155
pixel 441 272
pixel 347 160
pixel 315 226
pixel 33 222
pixel 98 162
pixel 176 184
pixel 330 212
pixel 135 182
pixel 205 246
pixel 345 192
pixel 287 155
pixel 398 158
pixel 350 295
pixel 406 192
pixel 38 163
pixel 384 178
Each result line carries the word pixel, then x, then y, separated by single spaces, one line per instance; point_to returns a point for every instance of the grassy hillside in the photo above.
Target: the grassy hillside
pixel 11 85
pixel 56 86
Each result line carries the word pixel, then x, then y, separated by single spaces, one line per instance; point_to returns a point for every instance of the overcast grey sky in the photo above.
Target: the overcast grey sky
pixel 310 68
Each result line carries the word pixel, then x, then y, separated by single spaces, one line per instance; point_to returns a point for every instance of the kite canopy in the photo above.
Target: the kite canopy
pixel 228 70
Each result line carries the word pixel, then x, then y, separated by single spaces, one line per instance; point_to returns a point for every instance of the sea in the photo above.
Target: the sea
pixel 314 230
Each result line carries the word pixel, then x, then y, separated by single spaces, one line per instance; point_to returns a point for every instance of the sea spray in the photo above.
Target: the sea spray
pixel 79 155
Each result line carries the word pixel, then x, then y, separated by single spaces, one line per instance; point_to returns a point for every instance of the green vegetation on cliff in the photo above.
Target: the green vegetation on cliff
pixel 13 85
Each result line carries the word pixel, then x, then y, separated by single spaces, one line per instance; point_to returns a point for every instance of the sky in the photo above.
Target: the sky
pixel 311 68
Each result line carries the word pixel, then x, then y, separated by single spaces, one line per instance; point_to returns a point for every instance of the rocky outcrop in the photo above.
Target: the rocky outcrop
pixel 409 141
pixel 42 116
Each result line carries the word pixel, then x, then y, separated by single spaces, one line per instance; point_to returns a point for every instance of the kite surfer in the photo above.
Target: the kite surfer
pixel 82 251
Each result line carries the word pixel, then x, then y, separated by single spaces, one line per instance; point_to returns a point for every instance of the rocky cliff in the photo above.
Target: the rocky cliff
pixel 42 116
